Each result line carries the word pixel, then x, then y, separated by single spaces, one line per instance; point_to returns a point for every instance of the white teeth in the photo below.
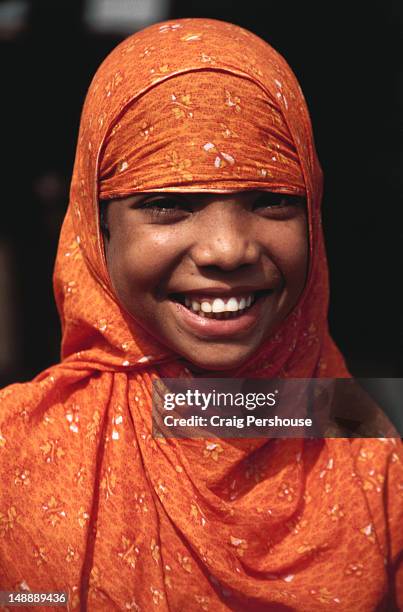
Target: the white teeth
pixel 232 305
pixel 218 305
pixel 206 306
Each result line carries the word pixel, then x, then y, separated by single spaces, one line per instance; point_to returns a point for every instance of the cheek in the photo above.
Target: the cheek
pixel 290 252
pixel 139 261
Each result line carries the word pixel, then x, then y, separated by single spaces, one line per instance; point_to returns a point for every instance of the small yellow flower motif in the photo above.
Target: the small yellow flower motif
pixel 140 504
pixel 264 172
pixel 227 132
pixel 170 27
pixel 129 552
pixel 52 451
pixel 132 605
pixel 80 476
pixel 184 562
pixel 203 601
pixel 323 595
pixel 189 37
pixel 155 551
pixel 108 482
pixel 73 251
pixel 368 532
pixel 157 595
pixel 354 569
pixel 83 517
pixel 70 288
pixel 193 511
pixel 74 598
pixel 168 579
pixel 130 47
pixel 8 521
pixel 233 101
pixel 54 511
pixel 286 492
pixel 275 117
pixel 21 477
pixel 239 545
pixel 254 69
pixel 116 128
pixel 179 165
pixel 122 165
pixel 335 512
pixel 305 548
pixel 5 393
pixel 181 108
pixel 147 51
pixel 161 488
pixel 40 554
pixel 178 112
pixel 160 71
pixel 93 427
pixel 146 130
pixel 373 482
pixel 95 578
pixel 73 417
pixel 365 454
pixel 207 59
pixel 213 450
pixel 206 556
pixel 113 83
pixel 70 554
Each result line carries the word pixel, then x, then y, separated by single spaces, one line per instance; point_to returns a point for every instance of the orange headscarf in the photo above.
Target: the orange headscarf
pixel 90 503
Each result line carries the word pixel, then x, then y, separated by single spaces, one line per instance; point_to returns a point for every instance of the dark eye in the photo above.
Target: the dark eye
pixel 165 206
pixel 278 204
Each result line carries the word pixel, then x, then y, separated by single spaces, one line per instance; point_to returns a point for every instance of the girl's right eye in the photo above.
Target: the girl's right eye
pixel 166 207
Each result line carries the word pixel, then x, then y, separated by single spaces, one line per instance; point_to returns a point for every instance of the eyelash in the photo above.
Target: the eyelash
pixel 151 206
pixel 279 201
pixel 158 207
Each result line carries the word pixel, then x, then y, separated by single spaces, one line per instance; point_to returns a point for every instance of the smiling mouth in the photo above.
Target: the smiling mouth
pixel 222 307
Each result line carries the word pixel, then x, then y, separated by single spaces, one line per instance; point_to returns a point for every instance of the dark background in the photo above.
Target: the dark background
pixel 348 62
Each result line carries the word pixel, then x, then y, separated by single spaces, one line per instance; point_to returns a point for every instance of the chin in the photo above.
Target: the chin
pixel 219 363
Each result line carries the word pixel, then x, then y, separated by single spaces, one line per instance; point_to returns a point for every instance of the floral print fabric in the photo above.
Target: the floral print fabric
pixel 90 503
pixel 210 131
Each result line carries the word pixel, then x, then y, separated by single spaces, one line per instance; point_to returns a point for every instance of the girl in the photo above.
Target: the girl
pixel 192 246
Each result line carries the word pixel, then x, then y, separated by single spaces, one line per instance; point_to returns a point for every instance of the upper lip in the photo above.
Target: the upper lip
pixel 223 291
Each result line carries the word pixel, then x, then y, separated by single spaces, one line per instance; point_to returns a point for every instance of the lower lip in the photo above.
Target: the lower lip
pixel 211 328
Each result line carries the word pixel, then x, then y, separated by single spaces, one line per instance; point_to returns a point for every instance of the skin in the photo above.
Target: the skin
pixel 158 245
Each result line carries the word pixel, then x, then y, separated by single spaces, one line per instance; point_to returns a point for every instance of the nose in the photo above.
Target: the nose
pixel 224 237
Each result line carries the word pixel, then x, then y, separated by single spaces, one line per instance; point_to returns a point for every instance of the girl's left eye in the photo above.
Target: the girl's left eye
pixel 278 203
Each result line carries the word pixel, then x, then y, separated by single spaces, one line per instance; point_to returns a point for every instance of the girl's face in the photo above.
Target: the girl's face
pixel 211 275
